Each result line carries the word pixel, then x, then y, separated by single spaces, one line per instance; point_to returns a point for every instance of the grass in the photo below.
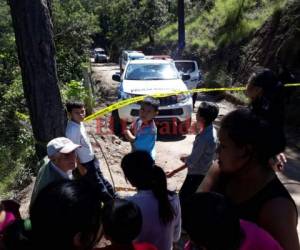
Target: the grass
pixel 226 23
pixel 229 21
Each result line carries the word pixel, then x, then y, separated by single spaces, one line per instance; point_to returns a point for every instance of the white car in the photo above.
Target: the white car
pixel 147 77
pixel 128 55
pixel 191 68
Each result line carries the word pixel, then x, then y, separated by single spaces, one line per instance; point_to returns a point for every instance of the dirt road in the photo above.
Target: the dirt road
pixel 170 149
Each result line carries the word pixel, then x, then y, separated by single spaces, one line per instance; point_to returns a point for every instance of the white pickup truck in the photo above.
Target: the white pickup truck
pixel 147 77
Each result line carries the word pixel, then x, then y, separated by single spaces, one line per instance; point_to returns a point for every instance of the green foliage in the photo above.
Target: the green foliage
pixel 74 91
pixel 16 150
pixel 124 24
pixel 16 139
pixel 8 55
pixel 73 27
pixel 214 24
pixel 217 78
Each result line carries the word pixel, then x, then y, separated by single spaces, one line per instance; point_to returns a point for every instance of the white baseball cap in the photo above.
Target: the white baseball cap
pixel 61 145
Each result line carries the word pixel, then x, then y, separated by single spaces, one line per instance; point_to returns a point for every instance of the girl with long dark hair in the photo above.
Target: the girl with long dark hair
pixel 160 208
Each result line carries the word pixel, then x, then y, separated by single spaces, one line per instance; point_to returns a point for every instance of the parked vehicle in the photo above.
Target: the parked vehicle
pixel 100 56
pixel 191 68
pixel 128 55
pixel 147 77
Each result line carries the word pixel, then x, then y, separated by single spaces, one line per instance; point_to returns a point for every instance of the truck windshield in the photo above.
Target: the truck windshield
pixel 151 72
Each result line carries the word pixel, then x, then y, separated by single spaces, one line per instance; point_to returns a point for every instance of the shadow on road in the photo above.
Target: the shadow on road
pixel 170 138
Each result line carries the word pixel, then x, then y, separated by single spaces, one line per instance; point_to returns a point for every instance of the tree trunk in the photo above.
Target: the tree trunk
pixel 34 39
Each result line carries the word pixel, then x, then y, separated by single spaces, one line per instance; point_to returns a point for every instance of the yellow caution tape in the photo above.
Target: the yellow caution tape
pixel 113 107
pixel 129 101
pixel 292 85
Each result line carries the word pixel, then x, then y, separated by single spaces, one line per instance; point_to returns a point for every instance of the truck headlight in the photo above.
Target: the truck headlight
pixel 183 97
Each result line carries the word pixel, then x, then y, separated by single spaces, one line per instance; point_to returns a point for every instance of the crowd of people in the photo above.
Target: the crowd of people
pixel 231 198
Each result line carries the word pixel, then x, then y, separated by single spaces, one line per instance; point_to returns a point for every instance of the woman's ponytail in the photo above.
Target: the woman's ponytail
pixel 160 191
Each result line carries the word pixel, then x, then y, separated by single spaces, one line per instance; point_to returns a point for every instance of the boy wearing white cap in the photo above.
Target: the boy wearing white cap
pixel 61 152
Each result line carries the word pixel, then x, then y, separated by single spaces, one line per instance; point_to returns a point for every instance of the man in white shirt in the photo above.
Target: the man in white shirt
pixel 76 132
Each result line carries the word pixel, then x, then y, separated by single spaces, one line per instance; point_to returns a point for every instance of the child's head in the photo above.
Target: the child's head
pixel 212 222
pixel 122 221
pixel 149 109
pixel 262 82
pixel 207 113
pixel 142 173
pixel 76 111
pixel 66 215
pixel 245 138
pixel 138 167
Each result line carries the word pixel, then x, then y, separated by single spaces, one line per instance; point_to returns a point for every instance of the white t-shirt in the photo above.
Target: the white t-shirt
pixel 153 230
pixel 77 134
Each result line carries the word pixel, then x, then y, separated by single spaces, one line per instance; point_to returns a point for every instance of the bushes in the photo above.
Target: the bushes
pixel 76 91
pixel 73 26
pixel 16 150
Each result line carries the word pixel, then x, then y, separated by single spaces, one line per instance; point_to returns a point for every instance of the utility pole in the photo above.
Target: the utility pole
pixel 181 28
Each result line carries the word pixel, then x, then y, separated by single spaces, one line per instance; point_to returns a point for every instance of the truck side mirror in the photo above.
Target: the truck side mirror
pixel 116 77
